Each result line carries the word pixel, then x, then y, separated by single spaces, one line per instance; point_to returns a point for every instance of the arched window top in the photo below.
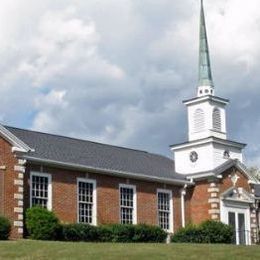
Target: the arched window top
pixel 216 118
pixel 199 120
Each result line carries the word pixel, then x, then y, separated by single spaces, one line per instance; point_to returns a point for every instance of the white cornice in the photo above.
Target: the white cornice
pixel 210 139
pixel 206 98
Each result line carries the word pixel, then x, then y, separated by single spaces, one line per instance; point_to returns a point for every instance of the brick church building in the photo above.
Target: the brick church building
pixel 94 183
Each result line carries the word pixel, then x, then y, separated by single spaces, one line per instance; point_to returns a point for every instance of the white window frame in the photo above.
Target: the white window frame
pixel 40 174
pixel 121 185
pixel 237 208
pixel 94 210
pixel 171 216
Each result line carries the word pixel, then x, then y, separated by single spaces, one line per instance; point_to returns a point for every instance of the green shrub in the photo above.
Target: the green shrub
pixel 131 233
pixel 207 232
pixel 113 233
pixel 42 224
pixel 216 232
pixel 5 228
pixel 79 232
pixel 145 233
pixel 189 234
pixel 122 233
pixel 105 233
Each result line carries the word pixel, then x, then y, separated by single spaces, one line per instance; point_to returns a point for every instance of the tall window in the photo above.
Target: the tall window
pixel 199 120
pixel 216 118
pixel 164 200
pixel 87 201
pixel 127 204
pixel 40 190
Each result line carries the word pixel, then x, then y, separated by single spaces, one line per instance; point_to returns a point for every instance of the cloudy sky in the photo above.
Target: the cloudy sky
pixel 116 71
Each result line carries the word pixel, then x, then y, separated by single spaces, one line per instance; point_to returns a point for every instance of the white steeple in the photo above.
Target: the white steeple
pixel 207 145
pixel 206 113
pixel 205 86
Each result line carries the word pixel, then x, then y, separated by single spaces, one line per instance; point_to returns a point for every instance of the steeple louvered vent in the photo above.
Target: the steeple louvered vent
pixel 199 120
pixel 216 118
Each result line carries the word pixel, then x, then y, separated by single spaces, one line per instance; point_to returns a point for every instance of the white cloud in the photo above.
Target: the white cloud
pixel 116 71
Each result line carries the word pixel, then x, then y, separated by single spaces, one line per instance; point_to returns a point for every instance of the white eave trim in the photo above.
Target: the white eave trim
pixel 207 140
pixel 204 98
pixel 18 145
pixel 249 201
pixel 252 182
pixel 201 176
pixel 107 171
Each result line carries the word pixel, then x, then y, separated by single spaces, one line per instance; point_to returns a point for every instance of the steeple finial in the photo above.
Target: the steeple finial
pixel 205 86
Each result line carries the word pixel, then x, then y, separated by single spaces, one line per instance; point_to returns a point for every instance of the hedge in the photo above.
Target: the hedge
pixel 42 224
pixel 145 233
pixel 189 234
pixel 79 232
pixel 113 233
pixel 207 232
pixel 5 228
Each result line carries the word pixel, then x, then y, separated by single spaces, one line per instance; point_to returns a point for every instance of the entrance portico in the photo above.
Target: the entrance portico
pixel 235 207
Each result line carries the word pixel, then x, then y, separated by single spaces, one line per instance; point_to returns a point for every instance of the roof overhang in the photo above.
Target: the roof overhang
pixel 18 145
pixel 218 171
pixel 215 99
pixel 124 174
pixel 210 139
pixel 201 176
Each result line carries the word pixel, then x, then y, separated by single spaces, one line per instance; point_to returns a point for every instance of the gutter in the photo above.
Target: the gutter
pixel 107 171
pixel 199 176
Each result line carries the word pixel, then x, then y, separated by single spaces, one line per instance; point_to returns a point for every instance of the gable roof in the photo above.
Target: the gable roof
pixel 66 151
pixel 222 168
pixel 18 145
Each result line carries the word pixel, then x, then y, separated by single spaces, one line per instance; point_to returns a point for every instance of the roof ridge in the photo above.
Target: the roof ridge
pixel 83 140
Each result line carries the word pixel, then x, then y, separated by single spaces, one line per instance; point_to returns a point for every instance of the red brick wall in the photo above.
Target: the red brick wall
pixel 226 182
pixel 197 205
pixel 64 196
pixel 8 175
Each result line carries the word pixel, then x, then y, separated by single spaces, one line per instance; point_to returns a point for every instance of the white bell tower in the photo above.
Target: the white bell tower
pixel 206 117
pixel 207 146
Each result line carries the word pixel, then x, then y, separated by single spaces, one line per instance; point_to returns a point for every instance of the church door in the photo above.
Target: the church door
pixel 239 219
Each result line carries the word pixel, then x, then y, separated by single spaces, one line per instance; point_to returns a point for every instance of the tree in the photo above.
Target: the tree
pixel 254 170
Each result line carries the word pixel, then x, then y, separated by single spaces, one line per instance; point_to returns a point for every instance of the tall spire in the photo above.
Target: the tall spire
pixel 205 86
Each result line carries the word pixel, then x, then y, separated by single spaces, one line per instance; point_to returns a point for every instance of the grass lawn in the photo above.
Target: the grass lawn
pixel 27 249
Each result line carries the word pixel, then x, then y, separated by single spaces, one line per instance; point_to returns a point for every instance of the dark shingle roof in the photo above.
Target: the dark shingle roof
pixel 257 190
pixel 96 155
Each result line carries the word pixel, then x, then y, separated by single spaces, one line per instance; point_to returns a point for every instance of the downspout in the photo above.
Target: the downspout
pixel 257 204
pixel 183 193
pixel 2 189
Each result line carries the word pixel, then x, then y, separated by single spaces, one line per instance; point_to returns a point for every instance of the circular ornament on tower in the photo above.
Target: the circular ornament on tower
pixel 193 156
